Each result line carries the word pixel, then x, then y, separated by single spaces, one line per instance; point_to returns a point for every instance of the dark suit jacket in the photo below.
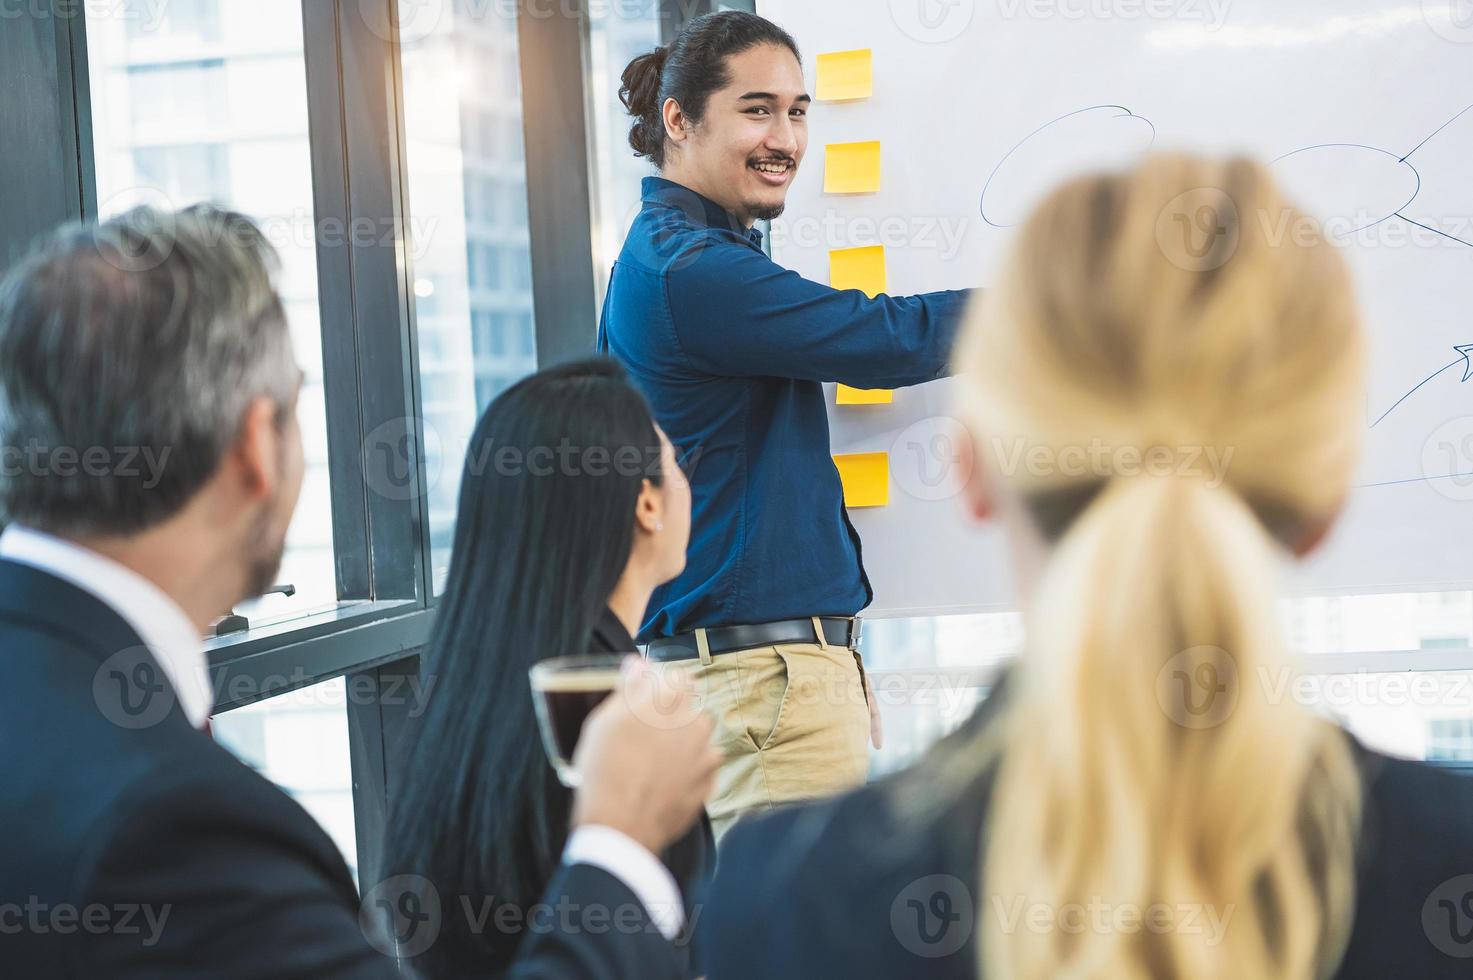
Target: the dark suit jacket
pixel 135 846
pixel 840 889
pixel 692 858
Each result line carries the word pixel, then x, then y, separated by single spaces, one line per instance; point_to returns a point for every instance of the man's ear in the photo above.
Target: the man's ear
pixel 674 121
pixel 258 450
pixel 978 490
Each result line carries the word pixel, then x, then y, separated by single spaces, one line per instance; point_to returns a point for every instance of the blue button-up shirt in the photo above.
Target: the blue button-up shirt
pixel 730 349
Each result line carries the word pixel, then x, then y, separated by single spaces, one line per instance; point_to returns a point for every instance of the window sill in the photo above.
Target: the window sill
pixel 283 656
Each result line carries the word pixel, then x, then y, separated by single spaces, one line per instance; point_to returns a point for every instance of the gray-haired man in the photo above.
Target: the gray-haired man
pixel 134 845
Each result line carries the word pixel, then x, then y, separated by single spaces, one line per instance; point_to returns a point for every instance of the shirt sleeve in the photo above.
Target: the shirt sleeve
pixel 738 313
pixel 636 867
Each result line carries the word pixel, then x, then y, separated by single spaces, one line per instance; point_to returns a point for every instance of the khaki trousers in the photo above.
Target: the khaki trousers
pixel 792 721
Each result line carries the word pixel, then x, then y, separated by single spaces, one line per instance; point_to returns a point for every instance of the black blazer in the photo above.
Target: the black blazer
pixel 692 859
pixel 137 847
pixel 838 889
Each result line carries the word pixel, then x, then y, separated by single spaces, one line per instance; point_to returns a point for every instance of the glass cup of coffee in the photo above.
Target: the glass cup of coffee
pixel 565 690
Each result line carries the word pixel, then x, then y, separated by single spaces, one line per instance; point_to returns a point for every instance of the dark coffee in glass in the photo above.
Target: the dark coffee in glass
pixel 565 690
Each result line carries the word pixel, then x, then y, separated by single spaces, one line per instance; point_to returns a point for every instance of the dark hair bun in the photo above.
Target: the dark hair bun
pixel 640 93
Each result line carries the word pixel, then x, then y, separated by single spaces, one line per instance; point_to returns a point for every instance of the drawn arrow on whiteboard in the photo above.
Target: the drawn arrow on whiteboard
pixel 1465 359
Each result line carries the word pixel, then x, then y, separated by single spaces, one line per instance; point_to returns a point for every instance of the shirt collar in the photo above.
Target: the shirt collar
pixel 157 619
pixel 698 209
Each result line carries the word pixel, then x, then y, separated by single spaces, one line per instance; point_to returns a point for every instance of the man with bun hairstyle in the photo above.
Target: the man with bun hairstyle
pixel 732 349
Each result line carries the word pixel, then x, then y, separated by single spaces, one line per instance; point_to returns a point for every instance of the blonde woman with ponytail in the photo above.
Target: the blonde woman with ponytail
pixel 1162 392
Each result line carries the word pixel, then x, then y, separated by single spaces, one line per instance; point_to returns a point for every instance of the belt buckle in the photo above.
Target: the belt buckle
pixel 856 630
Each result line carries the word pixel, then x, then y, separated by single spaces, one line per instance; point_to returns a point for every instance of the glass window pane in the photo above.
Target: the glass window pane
pixel 1414 715
pixel 468 224
pixel 617 34
pixel 930 672
pixel 1367 623
pixel 206 100
pixel 299 741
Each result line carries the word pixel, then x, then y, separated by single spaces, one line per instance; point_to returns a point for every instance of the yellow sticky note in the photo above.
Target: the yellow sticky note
pixel 852 168
pixel 864 396
pixel 866 478
pixel 846 75
pixel 858 268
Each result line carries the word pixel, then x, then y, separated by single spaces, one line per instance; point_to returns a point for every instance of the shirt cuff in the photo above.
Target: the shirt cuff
pixel 643 873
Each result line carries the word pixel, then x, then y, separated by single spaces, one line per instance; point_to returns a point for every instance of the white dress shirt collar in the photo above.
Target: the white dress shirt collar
pixel 157 619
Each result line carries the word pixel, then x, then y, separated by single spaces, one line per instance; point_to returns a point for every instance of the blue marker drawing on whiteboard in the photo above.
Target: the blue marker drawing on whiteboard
pixel 1435 132
pixel 1401 161
pixel 1100 154
pixel 1052 127
pixel 1435 231
pixel 1319 168
pixel 1465 358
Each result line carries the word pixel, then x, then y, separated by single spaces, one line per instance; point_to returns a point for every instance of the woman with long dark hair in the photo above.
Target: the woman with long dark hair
pixel 572 510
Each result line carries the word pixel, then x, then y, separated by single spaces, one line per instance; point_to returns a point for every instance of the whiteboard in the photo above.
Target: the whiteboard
pixel 983 105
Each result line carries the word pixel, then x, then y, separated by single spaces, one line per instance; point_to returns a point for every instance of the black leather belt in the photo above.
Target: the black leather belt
pixel 731 639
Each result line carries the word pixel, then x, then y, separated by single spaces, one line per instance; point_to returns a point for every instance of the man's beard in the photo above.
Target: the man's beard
pixel 266 555
pixel 767 212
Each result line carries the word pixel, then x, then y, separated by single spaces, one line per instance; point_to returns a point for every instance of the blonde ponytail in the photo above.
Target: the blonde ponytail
pixel 1138 774
pixel 1156 812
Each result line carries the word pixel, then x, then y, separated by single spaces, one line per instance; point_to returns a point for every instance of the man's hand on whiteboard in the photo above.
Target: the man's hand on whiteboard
pixel 876 727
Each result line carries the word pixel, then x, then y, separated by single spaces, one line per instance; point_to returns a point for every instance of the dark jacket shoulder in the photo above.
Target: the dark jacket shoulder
pixel 850 887
pixel 115 806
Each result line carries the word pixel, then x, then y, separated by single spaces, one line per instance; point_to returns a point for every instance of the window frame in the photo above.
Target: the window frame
pixel 382 551
pixel 354 88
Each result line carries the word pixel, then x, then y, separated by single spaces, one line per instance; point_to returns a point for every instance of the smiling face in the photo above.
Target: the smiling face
pixel 745 151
